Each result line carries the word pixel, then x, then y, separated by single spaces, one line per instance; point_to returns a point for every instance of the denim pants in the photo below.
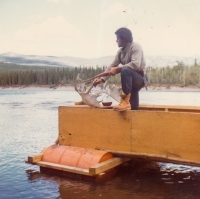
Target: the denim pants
pixel 132 82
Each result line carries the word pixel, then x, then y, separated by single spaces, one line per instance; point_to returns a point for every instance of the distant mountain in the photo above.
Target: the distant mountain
pixel 162 61
pixel 54 61
pixel 32 60
pixel 66 61
pixel 16 67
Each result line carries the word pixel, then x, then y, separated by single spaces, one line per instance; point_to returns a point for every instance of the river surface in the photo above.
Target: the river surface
pixel 29 122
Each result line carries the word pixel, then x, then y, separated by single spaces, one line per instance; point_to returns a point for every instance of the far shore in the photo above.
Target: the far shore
pixel 71 88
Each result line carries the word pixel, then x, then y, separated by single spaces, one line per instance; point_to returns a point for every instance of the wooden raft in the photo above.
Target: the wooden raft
pixel 92 171
pixel 155 132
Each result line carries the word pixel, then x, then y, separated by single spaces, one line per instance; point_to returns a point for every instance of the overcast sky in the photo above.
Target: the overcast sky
pixel 85 28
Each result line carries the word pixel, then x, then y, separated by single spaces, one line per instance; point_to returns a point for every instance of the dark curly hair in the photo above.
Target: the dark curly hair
pixel 124 34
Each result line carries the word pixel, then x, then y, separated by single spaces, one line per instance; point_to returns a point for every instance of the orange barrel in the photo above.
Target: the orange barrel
pixel 75 156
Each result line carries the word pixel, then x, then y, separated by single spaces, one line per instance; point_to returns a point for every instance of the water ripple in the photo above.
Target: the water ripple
pixel 29 123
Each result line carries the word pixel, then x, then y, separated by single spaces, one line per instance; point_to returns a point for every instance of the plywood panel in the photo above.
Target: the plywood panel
pixel 95 128
pixel 160 135
pixel 192 109
pixel 172 135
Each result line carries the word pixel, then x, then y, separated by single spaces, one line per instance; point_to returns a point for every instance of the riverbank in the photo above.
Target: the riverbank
pixel 67 87
pixel 71 87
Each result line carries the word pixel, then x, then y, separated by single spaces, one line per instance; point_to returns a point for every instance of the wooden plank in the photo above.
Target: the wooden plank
pixel 94 128
pixel 35 158
pixel 106 165
pixel 169 106
pixel 151 107
pixel 170 135
pixel 64 168
pixel 195 109
pixel 86 106
pixel 154 157
pixel 173 136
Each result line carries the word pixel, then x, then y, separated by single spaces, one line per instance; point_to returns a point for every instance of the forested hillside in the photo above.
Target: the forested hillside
pixel 16 67
pixel 179 75
pixel 46 76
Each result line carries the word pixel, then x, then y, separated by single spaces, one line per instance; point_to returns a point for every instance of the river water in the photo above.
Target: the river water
pixel 29 122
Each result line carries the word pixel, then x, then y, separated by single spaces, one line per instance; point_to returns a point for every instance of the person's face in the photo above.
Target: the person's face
pixel 119 42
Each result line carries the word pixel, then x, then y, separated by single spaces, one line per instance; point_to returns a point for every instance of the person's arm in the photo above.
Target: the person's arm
pixel 115 63
pixel 113 68
pixel 112 71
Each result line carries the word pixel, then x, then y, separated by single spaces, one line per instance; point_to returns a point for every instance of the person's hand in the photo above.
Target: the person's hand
pixel 115 70
pixel 97 81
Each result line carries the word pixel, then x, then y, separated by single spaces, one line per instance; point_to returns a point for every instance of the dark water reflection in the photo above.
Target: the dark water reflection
pixel 137 180
pixel 29 122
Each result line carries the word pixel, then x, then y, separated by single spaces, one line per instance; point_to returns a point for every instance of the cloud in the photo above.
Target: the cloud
pixel 179 38
pixel 51 30
pixel 54 36
pixel 58 1
pixel 36 17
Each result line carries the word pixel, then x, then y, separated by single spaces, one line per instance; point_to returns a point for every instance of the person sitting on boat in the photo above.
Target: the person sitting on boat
pixel 131 56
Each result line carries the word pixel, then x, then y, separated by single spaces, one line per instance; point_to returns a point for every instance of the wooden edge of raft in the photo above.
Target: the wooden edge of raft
pixel 64 168
pixel 106 165
pixel 34 159
pixel 92 171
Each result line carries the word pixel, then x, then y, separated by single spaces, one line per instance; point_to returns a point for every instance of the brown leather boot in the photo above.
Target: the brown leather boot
pixel 125 104
pixel 123 96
